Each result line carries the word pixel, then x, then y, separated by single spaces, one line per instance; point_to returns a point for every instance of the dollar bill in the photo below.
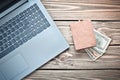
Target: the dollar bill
pixel 102 42
pixel 92 54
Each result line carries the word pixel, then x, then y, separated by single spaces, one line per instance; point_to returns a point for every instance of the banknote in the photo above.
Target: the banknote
pixel 92 54
pixel 92 57
pixel 102 43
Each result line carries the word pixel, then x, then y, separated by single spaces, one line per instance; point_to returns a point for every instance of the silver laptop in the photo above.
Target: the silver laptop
pixel 28 38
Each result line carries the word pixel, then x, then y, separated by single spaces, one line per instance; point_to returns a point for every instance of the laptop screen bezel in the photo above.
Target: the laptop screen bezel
pixel 7 11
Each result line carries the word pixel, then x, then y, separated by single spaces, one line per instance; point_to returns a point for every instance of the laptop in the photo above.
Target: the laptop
pixel 28 38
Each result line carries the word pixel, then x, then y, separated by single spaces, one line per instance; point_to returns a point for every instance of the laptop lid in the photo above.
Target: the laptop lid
pixel 6 6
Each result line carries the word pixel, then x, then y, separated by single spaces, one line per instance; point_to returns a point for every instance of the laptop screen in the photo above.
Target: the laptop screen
pixel 5 4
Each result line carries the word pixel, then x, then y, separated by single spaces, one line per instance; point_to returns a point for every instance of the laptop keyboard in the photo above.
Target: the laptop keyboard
pixel 21 28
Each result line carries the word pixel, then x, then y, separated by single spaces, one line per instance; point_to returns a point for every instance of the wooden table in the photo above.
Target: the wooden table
pixel 76 65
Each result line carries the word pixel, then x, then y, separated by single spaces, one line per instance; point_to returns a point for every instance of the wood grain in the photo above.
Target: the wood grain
pixel 82 9
pixel 80 60
pixel 75 75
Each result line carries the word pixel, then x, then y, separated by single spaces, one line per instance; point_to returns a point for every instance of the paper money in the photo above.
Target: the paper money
pixel 92 54
pixel 101 46
pixel 102 42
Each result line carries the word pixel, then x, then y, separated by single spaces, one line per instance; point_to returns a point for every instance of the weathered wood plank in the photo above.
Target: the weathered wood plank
pixel 75 75
pixel 111 29
pixel 95 10
pixel 80 60
pixel 86 1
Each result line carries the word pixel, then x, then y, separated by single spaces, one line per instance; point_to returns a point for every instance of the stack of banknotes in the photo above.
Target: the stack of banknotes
pixel 102 43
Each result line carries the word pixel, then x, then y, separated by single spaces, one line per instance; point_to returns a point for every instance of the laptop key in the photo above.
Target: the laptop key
pixel 17 32
pixel 16 38
pixel 16 45
pixel 20 24
pixel 1 43
pixel 13 41
pixel 5 46
pixel 1 49
pixel 17 21
pixel 1 37
pixel 9 43
pixel 25 27
pixel 1 31
pixel 4 40
pixel 8 38
pixel 29 36
pixel 13 35
pixel 12 29
pixel 4 35
pixel 8 32
pixel 21 18
pixel 21 30
pixel 20 42
pixel 25 22
pixel 5 28
pixel 13 23
pixel 16 27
